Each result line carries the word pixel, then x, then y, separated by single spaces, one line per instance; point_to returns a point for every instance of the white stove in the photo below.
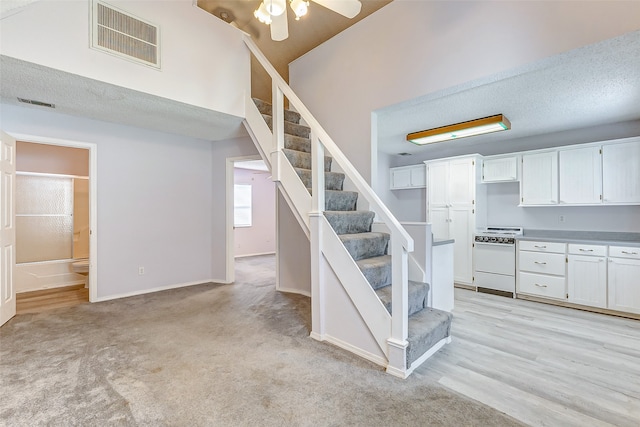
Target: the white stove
pixel 495 260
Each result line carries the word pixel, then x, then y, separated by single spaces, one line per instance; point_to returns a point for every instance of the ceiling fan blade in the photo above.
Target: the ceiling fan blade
pixel 348 8
pixel 279 27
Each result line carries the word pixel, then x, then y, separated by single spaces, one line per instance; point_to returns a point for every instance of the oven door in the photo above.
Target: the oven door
pixel 495 258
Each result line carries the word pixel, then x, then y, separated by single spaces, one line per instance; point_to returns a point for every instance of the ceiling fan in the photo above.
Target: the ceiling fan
pixel 274 12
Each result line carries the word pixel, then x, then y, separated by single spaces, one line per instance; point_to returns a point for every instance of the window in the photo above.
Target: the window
pixel 242 205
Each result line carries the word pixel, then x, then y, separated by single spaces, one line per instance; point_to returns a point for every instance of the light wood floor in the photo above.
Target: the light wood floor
pixel 543 365
pixel 38 301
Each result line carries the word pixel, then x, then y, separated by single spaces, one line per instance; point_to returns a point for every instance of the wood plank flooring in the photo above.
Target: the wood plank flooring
pixel 542 364
pixel 48 299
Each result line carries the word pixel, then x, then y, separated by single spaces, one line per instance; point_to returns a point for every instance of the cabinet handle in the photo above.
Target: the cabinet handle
pixel 541 247
pixel 586 250
pixel 538 262
pixel 630 253
pixel 540 286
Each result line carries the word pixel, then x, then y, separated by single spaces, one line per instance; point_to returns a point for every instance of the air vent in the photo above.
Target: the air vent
pixel 122 34
pixel 38 103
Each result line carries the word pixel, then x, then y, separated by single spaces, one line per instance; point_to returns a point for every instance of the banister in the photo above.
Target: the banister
pixel 397 231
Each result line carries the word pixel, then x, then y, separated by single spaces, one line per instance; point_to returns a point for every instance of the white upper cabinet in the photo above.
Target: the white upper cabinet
pixel 580 175
pixel 539 184
pixel 408 177
pixel 500 169
pixel 438 179
pixel 461 182
pixel 621 173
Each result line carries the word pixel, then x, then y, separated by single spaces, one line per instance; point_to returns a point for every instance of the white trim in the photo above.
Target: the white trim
pixel 420 360
pixel 295 291
pixel 52 175
pixel 355 350
pixel 93 199
pixel 159 289
pixel 256 254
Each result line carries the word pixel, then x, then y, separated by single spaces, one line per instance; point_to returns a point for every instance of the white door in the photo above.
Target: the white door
pixel 539 184
pixel 439 219
pixel 624 288
pixel 621 172
pixel 7 227
pixel 587 280
pixel 462 227
pixel 581 176
pixel 461 182
pixel 438 184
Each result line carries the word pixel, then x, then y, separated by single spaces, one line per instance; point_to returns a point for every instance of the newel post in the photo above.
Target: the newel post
pixel 316 222
pixel 399 307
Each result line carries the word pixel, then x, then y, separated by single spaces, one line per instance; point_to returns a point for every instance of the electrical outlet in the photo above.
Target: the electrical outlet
pixel 140 271
pixel 561 218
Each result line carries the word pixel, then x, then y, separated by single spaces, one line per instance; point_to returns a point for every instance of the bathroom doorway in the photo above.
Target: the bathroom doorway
pixel 251 211
pixel 55 223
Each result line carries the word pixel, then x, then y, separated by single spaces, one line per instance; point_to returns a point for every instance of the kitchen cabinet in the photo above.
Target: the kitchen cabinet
pixel 539 183
pixel 405 177
pixel 542 269
pixel 451 208
pixel 623 274
pixel 621 172
pixel 499 169
pixel 580 175
pixel 587 275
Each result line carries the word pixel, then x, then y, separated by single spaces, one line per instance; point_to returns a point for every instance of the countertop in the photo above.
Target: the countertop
pixel 440 242
pixel 584 237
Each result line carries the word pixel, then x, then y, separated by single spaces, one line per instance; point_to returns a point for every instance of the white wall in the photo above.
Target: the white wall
pixel 260 238
pixel 160 199
pixel 410 48
pixel 204 60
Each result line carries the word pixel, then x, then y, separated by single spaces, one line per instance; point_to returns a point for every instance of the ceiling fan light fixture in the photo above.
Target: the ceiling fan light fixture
pixel 262 15
pixel 275 7
pixel 299 7
pixel 460 130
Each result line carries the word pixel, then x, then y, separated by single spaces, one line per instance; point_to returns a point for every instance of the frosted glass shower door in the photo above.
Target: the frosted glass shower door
pixel 44 218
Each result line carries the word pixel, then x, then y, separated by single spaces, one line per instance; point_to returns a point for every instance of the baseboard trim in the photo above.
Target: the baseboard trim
pixel 256 254
pixel 294 291
pixel 420 360
pixel 355 350
pixel 158 289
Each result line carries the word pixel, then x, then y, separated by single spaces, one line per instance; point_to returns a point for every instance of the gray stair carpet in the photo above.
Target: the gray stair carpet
pixel 369 249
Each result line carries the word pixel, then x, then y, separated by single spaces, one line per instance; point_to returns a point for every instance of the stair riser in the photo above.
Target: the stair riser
pixel 300 159
pixel 332 180
pixel 367 247
pixel 340 200
pixel 290 128
pixel 350 222
pixel 379 274
pixel 416 300
pixel 266 108
pixel 297 143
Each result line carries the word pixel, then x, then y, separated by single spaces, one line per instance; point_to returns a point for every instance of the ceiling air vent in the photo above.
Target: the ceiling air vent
pixel 38 103
pixel 122 34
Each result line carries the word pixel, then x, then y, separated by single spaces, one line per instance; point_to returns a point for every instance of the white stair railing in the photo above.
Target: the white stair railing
pixel 321 143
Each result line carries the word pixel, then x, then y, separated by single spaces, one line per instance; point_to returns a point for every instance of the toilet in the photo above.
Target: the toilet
pixel 82 267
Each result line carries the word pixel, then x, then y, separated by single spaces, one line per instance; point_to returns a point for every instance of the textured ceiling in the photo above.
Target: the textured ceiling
pixel 592 86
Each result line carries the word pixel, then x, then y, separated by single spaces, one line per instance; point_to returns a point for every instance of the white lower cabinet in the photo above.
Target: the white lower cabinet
pixel 541 269
pixel 587 275
pixel 624 279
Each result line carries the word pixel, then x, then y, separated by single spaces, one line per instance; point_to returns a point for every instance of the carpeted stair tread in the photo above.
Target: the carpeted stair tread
pixel 350 222
pixel 335 200
pixel 265 108
pixel 290 128
pixel 365 245
pixel 426 328
pixel 332 180
pixel 297 143
pixel 377 270
pixel 417 299
pixel 301 159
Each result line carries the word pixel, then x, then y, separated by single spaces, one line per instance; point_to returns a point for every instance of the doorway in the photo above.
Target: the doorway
pixel 56 200
pixel 251 211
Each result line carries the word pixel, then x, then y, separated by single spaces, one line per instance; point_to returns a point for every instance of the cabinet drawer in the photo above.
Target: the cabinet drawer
pixel 544 286
pixel 540 262
pixel 624 252
pixel 555 247
pixel 594 250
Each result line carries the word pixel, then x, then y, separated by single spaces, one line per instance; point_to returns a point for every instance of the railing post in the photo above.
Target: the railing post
pixel 399 307
pixel 316 223
pixel 277 118
pixel 317 174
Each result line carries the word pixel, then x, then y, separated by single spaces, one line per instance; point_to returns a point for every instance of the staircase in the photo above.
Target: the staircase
pixel 428 329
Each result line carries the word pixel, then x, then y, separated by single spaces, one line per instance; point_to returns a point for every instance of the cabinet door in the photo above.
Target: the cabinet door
pixel 438 184
pixel 539 184
pixel 462 227
pixel 418 176
pixel 624 287
pixel 621 172
pixel 587 280
pixel 580 176
pixel 439 219
pixel 461 182
pixel 500 170
pixel 400 178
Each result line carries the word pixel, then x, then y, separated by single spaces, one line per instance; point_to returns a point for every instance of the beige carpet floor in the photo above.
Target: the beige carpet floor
pixel 207 355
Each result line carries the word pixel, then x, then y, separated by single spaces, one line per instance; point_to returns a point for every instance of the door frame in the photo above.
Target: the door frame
pixel 93 198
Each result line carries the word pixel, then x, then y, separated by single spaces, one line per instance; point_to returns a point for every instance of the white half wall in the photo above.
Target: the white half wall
pixel 204 61
pixel 410 49
pixel 160 200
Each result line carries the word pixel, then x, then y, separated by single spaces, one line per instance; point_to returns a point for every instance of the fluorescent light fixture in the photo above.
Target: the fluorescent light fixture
pixel 460 130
